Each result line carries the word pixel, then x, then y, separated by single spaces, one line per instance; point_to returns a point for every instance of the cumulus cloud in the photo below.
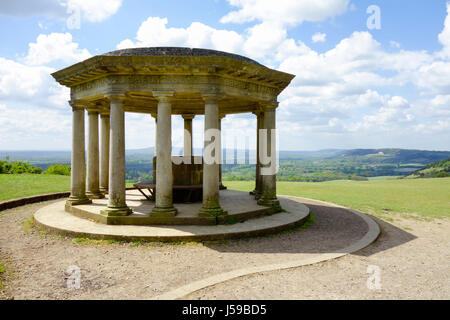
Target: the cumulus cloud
pixel 289 12
pixel 32 85
pixel 444 36
pixel 91 10
pixel 25 128
pixel 154 32
pixel 319 37
pixel 54 47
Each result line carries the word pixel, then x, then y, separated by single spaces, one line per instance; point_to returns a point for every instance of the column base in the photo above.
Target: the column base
pixel 116 212
pixel 221 186
pixel 95 195
pixel 212 212
pixel 104 190
pixel 73 201
pixel 163 212
pixel 274 204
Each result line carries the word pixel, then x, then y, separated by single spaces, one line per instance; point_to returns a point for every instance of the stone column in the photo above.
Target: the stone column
pixel 211 204
pixel 78 165
pixel 268 179
pixel 187 150
pixel 104 153
pixel 221 186
pixel 259 125
pixel 164 179
pixel 93 185
pixel 116 196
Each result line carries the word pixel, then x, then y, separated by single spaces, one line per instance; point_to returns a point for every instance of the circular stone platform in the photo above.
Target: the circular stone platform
pixel 240 207
pixel 54 218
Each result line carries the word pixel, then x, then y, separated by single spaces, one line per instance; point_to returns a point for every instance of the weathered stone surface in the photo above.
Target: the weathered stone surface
pixel 178 51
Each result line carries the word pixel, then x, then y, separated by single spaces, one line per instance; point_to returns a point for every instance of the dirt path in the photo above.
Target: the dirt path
pixel 416 268
pixel 414 263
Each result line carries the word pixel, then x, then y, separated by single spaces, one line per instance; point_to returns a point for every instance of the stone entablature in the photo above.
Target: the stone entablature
pixel 187 72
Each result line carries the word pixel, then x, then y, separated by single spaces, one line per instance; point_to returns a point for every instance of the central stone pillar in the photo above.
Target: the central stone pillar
pixel 93 190
pixel 164 179
pixel 78 165
pixel 104 153
pixel 211 204
pixel 187 150
pixel 268 166
pixel 116 196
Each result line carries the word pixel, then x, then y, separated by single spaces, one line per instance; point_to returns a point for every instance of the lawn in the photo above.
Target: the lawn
pixel 427 198
pixel 23 185
pixel 381 197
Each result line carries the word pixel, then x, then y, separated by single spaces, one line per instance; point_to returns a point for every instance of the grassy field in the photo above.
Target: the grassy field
pixel 23 185
pixel 427 198
pixel 423 198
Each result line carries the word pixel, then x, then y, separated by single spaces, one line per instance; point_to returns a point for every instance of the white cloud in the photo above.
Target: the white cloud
pixel 444 36
pixel 25 128
pixel 54 47
pixel 95 10
pixel 319 37
pixel 394 44
pixel 30 85
pixel 153 32
pixel 289 12
pixel 264 39
pixel 91 10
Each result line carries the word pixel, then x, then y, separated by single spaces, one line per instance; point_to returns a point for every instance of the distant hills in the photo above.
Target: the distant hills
pixel 294 165
pixel 433 170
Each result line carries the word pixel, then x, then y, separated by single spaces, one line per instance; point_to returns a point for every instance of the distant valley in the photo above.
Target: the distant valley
pixel 314 166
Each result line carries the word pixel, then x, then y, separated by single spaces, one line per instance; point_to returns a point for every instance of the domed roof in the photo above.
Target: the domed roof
pixel 178 51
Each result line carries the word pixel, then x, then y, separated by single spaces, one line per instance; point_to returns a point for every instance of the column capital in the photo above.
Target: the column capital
pixel 115 95
pixel 154 115
pixel 212 96
pixel 188 116
pixel 163 96
pixel 257 112
pixel 76 105
pixel 269 106
pixel 221 116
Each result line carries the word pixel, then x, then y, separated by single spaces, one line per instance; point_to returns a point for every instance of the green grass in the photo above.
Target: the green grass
pixel 23 185
pixel 422 198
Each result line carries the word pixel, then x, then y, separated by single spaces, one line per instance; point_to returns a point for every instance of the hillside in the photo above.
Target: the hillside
pixel 308 166
pixel 433 170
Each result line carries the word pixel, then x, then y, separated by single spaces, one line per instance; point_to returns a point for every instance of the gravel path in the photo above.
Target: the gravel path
pixel 413 263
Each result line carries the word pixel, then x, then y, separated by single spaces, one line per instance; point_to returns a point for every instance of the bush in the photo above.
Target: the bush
pixel 18 167
pixel 442 174
pixel 60 169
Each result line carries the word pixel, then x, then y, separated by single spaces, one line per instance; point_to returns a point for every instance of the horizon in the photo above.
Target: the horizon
pixel 284 150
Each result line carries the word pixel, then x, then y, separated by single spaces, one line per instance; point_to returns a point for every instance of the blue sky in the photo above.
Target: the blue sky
pixel 355 87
